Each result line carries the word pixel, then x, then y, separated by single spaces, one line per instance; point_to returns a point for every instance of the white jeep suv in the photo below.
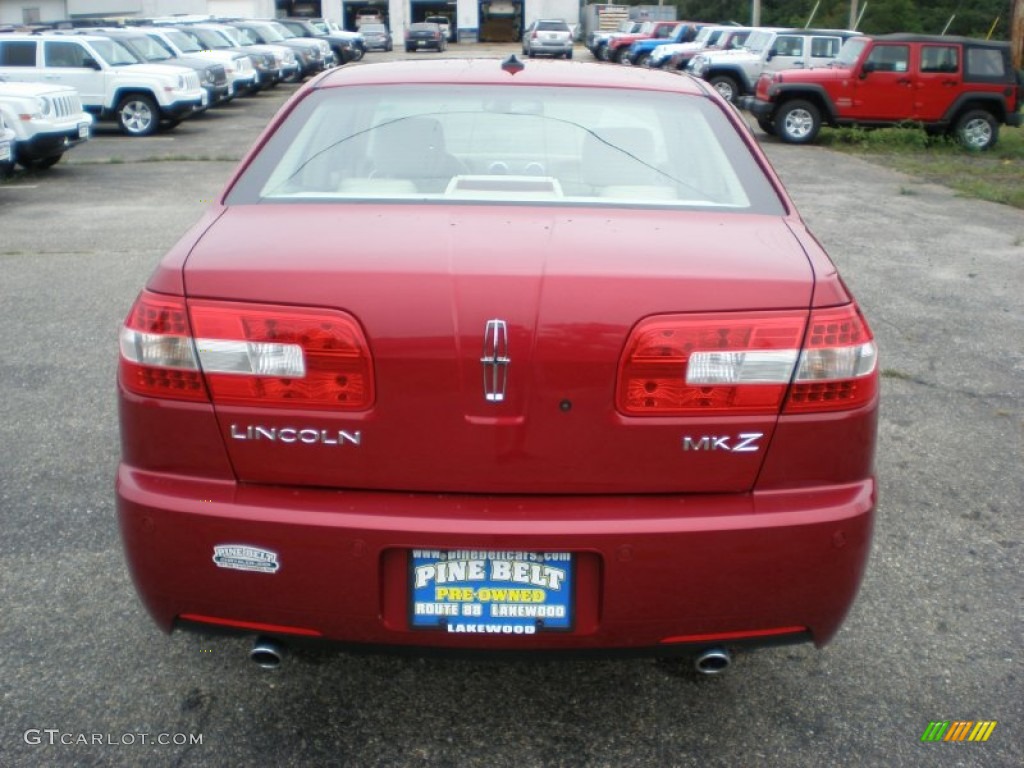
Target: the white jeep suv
pixel 47 121
pixel 107 77
pixel 735 73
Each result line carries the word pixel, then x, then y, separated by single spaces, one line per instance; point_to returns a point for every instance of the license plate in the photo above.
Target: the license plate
pixel 204 100
pixel 5 151
pixel 486 592
pixel 83 130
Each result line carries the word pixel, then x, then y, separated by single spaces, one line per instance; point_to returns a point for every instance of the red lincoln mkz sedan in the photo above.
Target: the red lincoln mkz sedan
pixel 576 378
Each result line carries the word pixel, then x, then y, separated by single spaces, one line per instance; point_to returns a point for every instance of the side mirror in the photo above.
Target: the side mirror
pixel 90 63
pixel 867 69
pixel 771 54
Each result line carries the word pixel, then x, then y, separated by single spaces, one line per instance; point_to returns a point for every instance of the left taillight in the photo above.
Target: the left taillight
pixel 237 353
pixel 158 357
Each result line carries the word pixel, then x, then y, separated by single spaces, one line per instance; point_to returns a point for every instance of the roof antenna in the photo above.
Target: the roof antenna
pixel 512 65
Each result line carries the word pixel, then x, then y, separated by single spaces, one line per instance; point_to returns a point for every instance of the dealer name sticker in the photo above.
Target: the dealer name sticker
pixel 241 557
pixel 484 592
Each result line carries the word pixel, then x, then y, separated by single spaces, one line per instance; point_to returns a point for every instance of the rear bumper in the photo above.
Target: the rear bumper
pixel 549 49
pixel 756 106
pixel 655 574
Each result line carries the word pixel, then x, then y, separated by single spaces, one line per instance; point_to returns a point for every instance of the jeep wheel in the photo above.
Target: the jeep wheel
pixel 726 86
pixel 797 122
pixel 977 130
pixel 643 60
pixel 137 115
pixel 767 125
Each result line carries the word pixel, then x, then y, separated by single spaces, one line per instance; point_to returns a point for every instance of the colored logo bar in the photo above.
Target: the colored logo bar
pixel 958 730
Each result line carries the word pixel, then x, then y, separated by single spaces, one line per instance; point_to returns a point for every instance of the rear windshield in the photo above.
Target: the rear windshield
pixel 559 26
pixel 550 145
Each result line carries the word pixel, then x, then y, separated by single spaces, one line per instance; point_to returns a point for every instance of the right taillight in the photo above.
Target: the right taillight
pixel 245 354
pixel 838 364
pixel 746 363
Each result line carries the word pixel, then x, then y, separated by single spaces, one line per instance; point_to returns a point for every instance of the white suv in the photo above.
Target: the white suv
pixel 47 121
pixel 238 66
pixel 107 77
pixel 6 148
pixel 735 73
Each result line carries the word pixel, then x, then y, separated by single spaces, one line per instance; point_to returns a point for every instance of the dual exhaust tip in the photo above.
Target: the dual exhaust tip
pixel 268 654
pixel 713 661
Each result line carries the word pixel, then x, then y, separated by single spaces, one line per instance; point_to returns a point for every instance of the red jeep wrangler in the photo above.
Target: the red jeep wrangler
pixel 957 85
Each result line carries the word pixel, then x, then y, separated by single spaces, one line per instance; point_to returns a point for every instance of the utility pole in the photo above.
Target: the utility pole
pixel 1017 34
pixel 755 13
pixel 853 14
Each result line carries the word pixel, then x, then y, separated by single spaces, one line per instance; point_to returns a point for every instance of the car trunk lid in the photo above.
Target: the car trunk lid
pixel 496 335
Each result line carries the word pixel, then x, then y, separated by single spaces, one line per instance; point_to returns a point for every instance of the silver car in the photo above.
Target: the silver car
pixel 550 37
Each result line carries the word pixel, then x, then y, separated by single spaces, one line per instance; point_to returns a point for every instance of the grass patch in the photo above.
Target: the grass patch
pixel 996 175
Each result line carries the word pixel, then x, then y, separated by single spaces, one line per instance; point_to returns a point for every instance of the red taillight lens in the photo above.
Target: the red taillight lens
pixel 247 354
pixel 838 366
pixel 157 355
pixel 286 356
pixel 709 364
pixel 735 363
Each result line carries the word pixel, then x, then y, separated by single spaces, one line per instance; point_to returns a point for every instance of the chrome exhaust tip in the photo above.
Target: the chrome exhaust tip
pixel 267 653
pixel 713 661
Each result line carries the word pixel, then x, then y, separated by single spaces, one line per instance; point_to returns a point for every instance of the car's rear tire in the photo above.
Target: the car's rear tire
pixel 137 114
pixel 976 130
pixel 767 125
pixel 643 60
pixel 797 122
pixel 726 86
pixel 568 55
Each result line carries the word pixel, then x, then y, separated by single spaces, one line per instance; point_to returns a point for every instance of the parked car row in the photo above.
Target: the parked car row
pixel 55 82
pixel 794 81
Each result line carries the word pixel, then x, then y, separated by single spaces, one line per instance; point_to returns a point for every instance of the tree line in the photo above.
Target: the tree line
pixel 971 18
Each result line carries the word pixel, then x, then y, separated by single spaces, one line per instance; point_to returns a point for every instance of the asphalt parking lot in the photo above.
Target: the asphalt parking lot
pixel 936 633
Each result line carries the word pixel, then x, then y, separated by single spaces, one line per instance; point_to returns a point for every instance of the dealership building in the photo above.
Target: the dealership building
pixel 484 20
